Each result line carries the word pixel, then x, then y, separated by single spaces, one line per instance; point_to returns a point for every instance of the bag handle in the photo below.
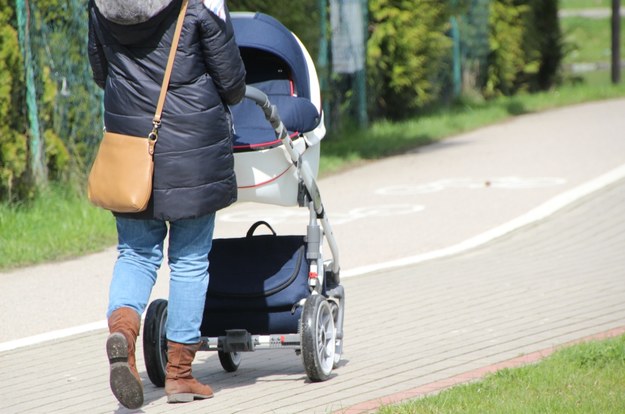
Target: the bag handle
pixel 256 225
pixel 170 64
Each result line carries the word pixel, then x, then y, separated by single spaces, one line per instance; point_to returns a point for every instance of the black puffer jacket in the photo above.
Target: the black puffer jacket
pixel 129 43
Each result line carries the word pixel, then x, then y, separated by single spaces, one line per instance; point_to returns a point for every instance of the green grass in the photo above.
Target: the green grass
pixel 587 378
pixel 58 224
pixel 589 39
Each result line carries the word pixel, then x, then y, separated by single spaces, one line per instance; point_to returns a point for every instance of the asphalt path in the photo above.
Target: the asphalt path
pixel 435 201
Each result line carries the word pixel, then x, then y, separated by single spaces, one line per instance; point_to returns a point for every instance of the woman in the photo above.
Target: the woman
pixel 129 43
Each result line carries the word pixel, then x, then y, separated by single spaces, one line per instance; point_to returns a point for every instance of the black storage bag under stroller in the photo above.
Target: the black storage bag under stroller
pixel 255 281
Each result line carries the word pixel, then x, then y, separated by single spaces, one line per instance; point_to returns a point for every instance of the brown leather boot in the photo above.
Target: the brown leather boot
pixel 125 382
pixel 180 386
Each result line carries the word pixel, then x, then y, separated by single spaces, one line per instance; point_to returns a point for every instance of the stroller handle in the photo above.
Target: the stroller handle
pixel 271 114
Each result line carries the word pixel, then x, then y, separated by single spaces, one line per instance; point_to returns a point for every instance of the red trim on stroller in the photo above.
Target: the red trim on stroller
pixel 268 181
pixel 263 145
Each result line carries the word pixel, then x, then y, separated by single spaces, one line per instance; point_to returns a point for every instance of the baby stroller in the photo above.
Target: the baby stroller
pixel 270 291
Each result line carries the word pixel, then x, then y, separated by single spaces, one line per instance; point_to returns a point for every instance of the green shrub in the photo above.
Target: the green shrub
pixel 13 140
pixel 506 60
pixel 408 49
pixel 526 47
pixel 544 43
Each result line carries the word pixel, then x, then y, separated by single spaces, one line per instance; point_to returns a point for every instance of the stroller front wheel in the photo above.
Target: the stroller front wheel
pixel 318 338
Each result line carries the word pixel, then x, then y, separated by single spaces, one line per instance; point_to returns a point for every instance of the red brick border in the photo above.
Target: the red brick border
pixel 434 387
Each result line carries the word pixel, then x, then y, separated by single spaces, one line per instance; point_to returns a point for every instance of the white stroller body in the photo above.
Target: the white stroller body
pixel 267 175
pixel 265 172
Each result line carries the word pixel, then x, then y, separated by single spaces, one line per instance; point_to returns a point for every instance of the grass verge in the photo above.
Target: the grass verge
pixel 589 39
pixel 58 224
pixel 582 379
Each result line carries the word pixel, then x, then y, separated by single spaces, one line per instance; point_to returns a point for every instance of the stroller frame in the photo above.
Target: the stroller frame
pixel 319 339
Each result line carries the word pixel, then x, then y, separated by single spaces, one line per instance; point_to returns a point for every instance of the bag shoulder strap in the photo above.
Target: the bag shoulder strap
pixel 168 69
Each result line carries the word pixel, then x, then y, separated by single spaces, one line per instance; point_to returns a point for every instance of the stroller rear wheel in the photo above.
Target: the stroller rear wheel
pixel 155 342
pixel 230 361
pixel 318 338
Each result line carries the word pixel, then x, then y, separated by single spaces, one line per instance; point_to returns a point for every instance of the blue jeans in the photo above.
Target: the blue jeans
pixel 140 247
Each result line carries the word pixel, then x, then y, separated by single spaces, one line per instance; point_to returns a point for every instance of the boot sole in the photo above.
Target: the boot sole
pixel 124 385
pixel 186 397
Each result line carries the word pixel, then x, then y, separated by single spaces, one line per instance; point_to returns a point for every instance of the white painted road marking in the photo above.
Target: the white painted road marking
pixel 511 183
pixel 539 213
pixel 279 216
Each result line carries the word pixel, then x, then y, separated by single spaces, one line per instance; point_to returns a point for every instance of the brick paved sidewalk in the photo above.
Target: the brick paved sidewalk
pixel 538 287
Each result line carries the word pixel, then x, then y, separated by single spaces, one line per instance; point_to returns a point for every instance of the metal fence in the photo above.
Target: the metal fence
pixel 63 102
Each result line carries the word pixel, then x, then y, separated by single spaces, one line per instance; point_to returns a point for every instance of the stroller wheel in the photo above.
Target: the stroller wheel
pixel 337 349
pixel 155 342
pixel 318 338
pixel 230 361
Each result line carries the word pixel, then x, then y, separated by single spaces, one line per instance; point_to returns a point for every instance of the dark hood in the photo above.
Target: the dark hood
pixel 134 22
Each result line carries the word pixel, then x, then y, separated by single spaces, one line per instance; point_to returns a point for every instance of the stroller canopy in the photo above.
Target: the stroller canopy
pixel 277 64
pixel 262 32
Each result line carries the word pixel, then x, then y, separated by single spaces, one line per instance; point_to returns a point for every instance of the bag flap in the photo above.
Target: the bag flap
pixel 253 267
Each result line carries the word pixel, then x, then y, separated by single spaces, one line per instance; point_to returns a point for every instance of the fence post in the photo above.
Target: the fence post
pixel 361 75
pixel 616 41
pixel 322 60
pixel 37 161
pixel 456 59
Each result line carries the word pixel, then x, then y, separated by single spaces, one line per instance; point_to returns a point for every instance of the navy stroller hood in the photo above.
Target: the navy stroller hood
pixel 263 32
